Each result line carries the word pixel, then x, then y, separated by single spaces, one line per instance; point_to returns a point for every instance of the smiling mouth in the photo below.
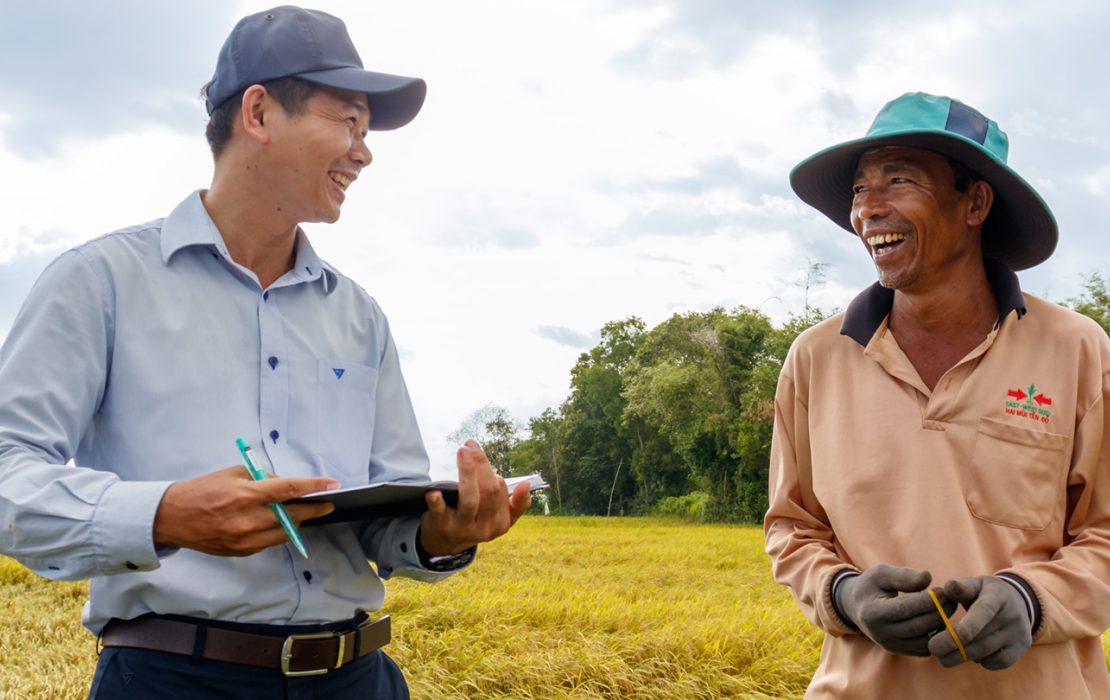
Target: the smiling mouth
pixel 342 180
pixel 883 243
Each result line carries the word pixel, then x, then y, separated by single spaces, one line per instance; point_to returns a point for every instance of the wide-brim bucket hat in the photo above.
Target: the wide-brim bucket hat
pixel 1020 230
pixel 291 41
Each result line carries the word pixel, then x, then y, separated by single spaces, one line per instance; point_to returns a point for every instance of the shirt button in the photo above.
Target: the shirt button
pixel 274 435
pixel 265 296
pixel 273 362
pixel 404 547
pixel 308 577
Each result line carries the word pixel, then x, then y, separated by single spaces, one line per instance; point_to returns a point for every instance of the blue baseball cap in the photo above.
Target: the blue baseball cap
pixel 311 45
pixel 1020 230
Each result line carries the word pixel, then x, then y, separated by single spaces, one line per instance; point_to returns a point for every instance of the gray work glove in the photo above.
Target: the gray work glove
pixel 996 630
pixel 901 624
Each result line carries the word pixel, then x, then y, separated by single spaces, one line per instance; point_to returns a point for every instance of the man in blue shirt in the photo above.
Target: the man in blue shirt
pixel 142 354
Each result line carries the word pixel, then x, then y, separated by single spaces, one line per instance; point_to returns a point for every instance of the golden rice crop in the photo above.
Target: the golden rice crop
pixel 579 608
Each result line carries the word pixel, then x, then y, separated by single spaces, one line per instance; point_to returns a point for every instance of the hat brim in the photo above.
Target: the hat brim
pixel 1020 231
pixel 394 99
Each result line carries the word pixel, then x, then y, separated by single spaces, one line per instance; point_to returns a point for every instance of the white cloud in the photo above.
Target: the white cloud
pixel 578 163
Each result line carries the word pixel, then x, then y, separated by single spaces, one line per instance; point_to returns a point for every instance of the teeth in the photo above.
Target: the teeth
pixel 883 238
pixel 341 180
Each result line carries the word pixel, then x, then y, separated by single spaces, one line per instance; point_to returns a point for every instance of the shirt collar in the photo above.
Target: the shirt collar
pixel 190 225
pixel 866 312
pixel 311 265
pixel 187 225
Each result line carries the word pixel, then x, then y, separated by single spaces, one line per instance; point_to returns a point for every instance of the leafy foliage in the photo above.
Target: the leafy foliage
pixel 493 427
pixel 653 416
pixel 1095 300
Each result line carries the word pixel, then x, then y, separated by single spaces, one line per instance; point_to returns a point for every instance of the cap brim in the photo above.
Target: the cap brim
pixel 1020 231
pixel 394 99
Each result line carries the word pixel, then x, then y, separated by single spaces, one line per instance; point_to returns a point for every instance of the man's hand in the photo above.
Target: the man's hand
pixel 485 510
pixel 901 624
pixel 996 630
pixel 227 514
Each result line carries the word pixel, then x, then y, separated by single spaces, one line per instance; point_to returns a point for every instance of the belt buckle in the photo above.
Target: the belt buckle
pixel 287 653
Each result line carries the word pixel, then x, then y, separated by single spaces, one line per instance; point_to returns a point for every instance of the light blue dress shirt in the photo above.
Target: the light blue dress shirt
pixel 141 356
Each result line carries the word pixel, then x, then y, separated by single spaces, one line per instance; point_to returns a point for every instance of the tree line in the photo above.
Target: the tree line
pixel 674 419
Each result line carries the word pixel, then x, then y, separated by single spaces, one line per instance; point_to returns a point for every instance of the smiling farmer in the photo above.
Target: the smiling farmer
pixel 142 354
pixel 946 429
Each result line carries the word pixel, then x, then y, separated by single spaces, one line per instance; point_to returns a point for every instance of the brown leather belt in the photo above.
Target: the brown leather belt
pixel 295 654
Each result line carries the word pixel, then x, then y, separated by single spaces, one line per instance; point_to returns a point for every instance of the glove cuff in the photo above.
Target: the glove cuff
pixel 1032 606
pixel 838 578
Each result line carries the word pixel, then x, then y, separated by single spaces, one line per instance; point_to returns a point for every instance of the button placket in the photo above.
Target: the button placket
pixel 273 381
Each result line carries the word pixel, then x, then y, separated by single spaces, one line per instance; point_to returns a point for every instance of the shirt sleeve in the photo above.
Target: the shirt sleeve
pixel 65 522
pixel 397 454
pixel 1072 588
pixel 394 543
pixel 799 538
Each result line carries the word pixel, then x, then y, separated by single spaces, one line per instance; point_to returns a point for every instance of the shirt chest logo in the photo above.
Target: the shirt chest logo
pixel 1028 403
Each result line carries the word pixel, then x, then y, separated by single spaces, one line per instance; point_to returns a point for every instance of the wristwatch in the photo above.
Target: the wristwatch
pixel 447 562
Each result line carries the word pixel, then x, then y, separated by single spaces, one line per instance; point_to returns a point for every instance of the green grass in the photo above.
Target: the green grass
pixel 559 608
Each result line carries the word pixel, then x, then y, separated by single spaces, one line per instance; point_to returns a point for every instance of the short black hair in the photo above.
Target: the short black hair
pixel 291 93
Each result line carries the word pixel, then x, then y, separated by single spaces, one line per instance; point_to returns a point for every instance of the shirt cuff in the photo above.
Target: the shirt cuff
pixel 403 557
pixel 123 527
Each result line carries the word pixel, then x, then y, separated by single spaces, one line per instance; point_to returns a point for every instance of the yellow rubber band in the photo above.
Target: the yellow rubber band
pixel 948 624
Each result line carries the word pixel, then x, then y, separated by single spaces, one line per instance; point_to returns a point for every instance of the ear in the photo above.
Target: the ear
pixel 253 112
pixel 980 200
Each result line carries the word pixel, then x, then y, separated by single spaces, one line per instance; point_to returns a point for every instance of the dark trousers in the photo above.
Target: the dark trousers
pixel 139 674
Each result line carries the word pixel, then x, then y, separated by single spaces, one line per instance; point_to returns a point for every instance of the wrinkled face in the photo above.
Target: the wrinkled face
pixel 319 152
pixel 910 217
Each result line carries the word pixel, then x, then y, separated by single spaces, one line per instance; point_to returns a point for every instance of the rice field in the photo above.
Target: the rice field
pixel 559 608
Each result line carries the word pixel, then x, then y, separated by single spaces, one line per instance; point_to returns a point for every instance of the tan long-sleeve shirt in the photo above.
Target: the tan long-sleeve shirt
pixel 1003 467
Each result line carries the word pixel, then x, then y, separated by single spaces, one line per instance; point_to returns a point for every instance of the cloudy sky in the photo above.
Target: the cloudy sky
pixel 576 162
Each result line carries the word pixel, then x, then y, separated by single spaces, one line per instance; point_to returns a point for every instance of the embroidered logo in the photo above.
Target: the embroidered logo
pixel 1029 404
pixel 338 372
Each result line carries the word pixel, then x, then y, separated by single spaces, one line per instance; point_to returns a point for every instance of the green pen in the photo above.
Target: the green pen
pixel 279 509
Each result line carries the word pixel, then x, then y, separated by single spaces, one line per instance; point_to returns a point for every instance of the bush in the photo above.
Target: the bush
pixel 689 507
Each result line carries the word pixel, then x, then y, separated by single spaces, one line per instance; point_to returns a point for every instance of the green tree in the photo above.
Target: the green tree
pixel 493 427
pixel 596 475
pixel 658 414
pixel 689 383
pixel 1094 301
pixel 543 452
pixel 757 415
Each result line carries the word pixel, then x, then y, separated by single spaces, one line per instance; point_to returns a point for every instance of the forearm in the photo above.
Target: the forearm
pixel 1071 591
pixel 798 538
pixel 1072 587
pixel 70 523
pixel 808 567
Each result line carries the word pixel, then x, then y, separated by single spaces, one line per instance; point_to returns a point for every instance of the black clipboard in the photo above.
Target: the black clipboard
pixel 391 499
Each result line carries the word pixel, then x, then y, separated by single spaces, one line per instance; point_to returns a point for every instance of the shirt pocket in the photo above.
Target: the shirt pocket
pixel 345 419
pixel 1017 475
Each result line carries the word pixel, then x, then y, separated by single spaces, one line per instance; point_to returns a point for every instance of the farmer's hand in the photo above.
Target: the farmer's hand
pixel 485 509
pixel 996 630
pixel 901 624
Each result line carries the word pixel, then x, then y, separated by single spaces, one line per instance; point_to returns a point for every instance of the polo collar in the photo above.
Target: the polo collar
pixel 190 225
pixel 872 305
